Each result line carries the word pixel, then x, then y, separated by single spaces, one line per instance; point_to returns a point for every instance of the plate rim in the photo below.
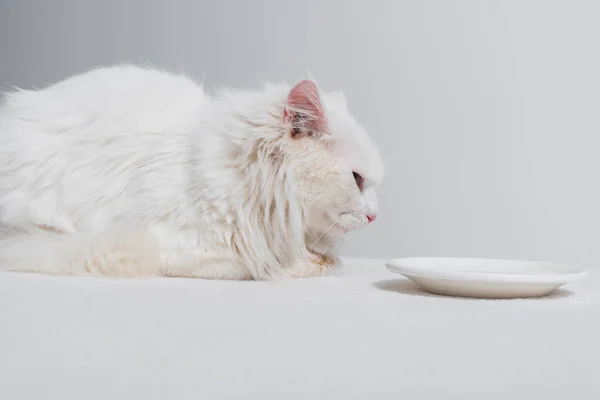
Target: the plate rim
pixel 393 265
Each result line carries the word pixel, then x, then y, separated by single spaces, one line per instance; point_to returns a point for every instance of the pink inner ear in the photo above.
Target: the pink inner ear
pixel 305 98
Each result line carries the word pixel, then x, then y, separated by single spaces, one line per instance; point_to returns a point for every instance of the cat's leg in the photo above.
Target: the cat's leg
pixel 313 266
pixel 187 263
pixel 187 253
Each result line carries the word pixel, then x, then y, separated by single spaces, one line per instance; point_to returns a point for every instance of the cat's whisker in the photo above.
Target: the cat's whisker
pixel 333 241
pixel 326 246
pixel 336 244
pixel 322 234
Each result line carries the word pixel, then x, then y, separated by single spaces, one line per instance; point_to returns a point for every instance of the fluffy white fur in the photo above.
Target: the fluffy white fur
pixel 128 171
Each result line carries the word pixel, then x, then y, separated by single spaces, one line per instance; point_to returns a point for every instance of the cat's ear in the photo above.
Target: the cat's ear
pixel 303 111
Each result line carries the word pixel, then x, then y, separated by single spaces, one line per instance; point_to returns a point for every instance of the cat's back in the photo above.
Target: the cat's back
pixel 112 133
pixel 102 113
pixel 121 94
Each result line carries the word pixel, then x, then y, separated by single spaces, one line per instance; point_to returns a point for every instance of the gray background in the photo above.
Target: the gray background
pixel 486 112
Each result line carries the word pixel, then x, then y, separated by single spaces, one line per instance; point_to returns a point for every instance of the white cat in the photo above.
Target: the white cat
pixel 127 171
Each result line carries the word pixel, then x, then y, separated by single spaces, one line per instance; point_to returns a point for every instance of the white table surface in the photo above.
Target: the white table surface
pixel 364 334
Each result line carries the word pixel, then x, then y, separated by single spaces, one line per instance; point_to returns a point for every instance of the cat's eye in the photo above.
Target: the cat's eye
pixel 358 179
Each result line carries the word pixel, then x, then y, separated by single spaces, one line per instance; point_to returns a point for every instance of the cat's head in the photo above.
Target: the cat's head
pixel 336 167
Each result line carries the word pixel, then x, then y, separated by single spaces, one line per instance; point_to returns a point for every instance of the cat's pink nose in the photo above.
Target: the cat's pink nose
pixel 371 217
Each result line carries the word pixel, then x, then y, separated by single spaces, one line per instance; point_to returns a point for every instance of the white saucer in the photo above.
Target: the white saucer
pixel 485 278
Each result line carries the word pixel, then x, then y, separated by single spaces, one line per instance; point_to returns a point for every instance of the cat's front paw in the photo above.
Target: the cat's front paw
pixel 314 265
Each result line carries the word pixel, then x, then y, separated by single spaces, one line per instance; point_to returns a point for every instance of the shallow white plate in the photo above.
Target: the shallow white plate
pixel 485 278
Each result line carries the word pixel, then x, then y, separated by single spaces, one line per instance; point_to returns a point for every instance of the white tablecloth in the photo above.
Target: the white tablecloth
pixel 364 334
